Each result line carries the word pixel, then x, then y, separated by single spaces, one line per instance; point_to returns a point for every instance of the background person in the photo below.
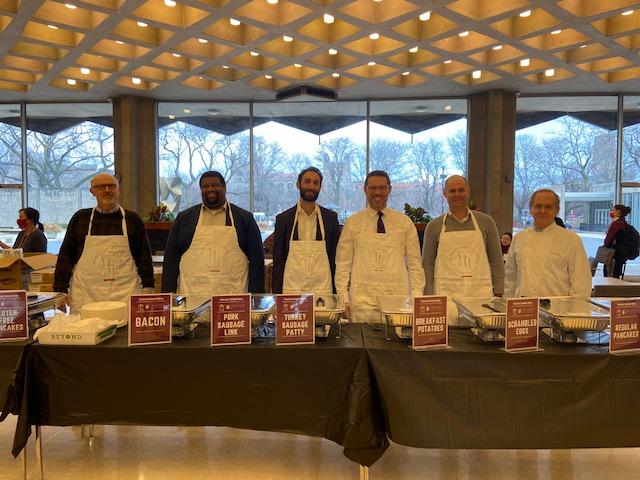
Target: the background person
pixel 546 259
pixel 305 241
pixel 105 254
pixel 214 248
pixel 505 242
pixel 378 254
pixel 31 238
pixel 616 236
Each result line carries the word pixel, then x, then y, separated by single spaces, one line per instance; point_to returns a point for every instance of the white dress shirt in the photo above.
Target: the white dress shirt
pixel 215 216
pixel 307 224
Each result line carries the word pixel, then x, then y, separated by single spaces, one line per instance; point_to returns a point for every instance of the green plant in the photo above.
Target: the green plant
pixel 417 215
pixel 160 213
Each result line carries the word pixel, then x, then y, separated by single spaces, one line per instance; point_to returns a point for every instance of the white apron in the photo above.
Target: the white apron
pixel 214 263
pixel 379 268
pixel 462 267
pixel 532 261
pixel 307 266
pixel 105 271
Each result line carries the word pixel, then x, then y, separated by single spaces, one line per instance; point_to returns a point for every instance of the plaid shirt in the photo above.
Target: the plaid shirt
pixel 103 224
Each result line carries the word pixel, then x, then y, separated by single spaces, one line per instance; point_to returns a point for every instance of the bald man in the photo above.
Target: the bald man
pixel 461 254
pixel 105 254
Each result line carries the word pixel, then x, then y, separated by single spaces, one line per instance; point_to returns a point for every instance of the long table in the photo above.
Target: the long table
pixel 12 368
pixel 478 396
pixel 323 390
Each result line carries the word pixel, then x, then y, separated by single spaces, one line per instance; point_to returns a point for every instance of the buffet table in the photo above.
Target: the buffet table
pixel 614 287
pixel 322 390
pixel 475 395
pixel 12 367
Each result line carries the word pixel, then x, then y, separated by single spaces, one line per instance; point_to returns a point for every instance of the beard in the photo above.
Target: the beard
pixel 309 195
pixel 212 199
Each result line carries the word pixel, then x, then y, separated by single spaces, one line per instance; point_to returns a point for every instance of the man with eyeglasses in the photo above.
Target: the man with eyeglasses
pixel 378 254
pixel 105 254
pixel 214 248
pixel 546 260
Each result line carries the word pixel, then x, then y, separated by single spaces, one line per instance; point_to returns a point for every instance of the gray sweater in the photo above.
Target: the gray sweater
pixel 491 241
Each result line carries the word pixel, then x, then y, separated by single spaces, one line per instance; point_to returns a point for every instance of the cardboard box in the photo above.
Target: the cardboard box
pixel 41 287
pixel 11 269
pixel 44 275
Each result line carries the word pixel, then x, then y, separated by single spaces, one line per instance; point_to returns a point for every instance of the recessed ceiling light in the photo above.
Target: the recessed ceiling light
pixel 268 77
pixel 70 6
pixel 335 74
pixel 119 42
pixel 136 80
pixel 405 73
pixel 186 110
pixel 213 111
pixel 583 46
pixel 85 71
pixel 549 72
pixel 287 38
pixel 328 18
pixel 254 54
pixel 497 47
pixel 225 66
pixel 425 16
pixel 526 13
pixel 374 36
pixel 464 34
pixel 203 40
pixel 177 55
pixel 525 62
pixel 142 24
pixel 371 64
pixel 556 32
pixel 447 108
pixel 52 27
pixel 447 61
pixel 476 74
pixel 172 117
pixel 297 65
pixel 71 81
pixel 333 51
pixel 421 109
pixel 272 2
pixel 627 12
pixel 170 3
pixel 234 22
pixel 413 49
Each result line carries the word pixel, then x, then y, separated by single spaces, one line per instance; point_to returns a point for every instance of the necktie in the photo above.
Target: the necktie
pixel 380 223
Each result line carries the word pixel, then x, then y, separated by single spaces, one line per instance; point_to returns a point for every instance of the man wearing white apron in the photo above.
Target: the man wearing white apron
pixel 378 254
pixel 105 254
pixel 305 241
pixel 461 252
pixel 214 248
pixel 546 260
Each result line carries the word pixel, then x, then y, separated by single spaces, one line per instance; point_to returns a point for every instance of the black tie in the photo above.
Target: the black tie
pixel 380 223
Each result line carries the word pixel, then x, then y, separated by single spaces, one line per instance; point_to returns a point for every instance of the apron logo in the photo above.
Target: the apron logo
pixel 377 259
pixel 463 259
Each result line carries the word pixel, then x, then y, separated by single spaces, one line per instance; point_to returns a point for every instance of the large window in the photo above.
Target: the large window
pixel 631 158
pixel 10 171
pixel 67 145
pixel 419 143
pixel 568 144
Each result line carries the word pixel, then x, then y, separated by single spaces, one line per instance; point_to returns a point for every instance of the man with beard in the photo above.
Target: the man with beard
pixel 305 241
pixel 213 248
pixel 105 254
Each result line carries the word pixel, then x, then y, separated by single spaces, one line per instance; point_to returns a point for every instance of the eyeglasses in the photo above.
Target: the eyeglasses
pixel 380 188
pixel 106 186
pixel 213 186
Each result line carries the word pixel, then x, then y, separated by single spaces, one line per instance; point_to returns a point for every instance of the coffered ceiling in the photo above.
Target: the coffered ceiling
pixel 250 49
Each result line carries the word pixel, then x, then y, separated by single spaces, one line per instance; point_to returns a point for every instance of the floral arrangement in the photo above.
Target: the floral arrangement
pixel 417 215
pixel 160 213
pixel 52 228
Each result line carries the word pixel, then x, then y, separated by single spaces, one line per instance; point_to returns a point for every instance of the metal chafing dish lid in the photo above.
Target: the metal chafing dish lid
pixel 262 302
pixel 483 307
pixel 575 307
pixel 395 304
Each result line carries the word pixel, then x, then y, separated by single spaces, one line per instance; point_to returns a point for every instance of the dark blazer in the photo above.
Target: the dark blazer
pixel 181 235
pixel 282 234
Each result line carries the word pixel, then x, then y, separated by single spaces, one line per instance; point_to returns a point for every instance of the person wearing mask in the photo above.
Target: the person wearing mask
pixel 461 252
pixel 105 254
pixel 546 259
pixel 214 248
pixel 31 238
pixel 505 243
pixel 615 238
pixel 378 254
pixel 305 241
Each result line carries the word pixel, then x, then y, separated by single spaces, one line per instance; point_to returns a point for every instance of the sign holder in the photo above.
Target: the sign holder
pixel 430 324
pixel 295 319
pixel 230 320
pixel 522 332
pixel 624 337
pixel 14 320
pixel 149 319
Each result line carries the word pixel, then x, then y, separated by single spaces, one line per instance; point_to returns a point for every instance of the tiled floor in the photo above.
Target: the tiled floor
pixel 200 453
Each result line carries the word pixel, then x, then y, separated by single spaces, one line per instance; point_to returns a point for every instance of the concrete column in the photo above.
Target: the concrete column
pixel 491 149
pixel 134 121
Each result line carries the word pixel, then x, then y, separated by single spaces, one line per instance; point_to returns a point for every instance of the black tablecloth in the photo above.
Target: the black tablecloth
pixel 478 396
pixel 322 390
pixel 12 359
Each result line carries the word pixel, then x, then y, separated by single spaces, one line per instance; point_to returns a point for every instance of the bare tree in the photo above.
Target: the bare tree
pixel 336 158
pixel 427 159
pixel 457 144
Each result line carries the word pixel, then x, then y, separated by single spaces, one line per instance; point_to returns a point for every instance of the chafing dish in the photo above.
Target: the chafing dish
pixel 262 306
pixel 575 320
pixel 397 311
pixel 329 309
pixel 40 302
pixel 489 316
pixel 187 312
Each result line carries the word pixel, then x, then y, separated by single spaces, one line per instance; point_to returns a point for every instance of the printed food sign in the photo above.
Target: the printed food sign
pixel 150 319
pixel 13 315
pixel 625 335
pixel 521 333
pixel 230 319
pixel 295 319
pixel 430 322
